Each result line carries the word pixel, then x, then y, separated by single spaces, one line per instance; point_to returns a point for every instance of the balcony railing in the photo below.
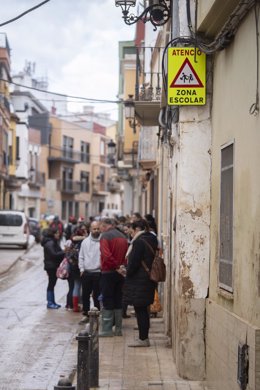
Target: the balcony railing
pixel 148 86
pixel 148 73
pixel 69 186
pixel 100 187
pixel 114 186
pixel 36 179
pixel 64 155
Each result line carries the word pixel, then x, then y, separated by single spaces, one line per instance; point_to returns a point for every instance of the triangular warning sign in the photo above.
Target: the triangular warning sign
pixel 186 77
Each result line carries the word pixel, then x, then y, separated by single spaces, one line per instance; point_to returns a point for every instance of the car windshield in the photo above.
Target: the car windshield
pixel 10 220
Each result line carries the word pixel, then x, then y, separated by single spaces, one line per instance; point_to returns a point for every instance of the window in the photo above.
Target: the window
pixel 101 206
pixel 102 148
pixel 84 152
pixel 102 175
pixel 84 181
pixel 67 179
pixel 226 220
pixel 70 207
pixel 67 147
pixel 10 154
pixel 76 209
pixel 86 210
pixel 63 209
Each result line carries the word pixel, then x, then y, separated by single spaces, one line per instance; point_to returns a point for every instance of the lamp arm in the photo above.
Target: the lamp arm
pixel 157 14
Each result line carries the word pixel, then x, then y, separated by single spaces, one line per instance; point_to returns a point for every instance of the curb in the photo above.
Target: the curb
pixel 16 260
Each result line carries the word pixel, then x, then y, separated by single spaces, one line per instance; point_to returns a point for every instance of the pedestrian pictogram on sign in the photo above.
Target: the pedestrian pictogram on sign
pixel 186 76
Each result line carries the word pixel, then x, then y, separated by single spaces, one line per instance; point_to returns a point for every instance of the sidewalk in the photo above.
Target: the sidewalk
pixel 121 367
pixel 124 368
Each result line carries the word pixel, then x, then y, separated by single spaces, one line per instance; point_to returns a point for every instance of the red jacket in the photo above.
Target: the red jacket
pixel 113 248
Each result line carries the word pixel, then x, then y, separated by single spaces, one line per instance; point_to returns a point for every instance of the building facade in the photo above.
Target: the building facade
pixel 207 196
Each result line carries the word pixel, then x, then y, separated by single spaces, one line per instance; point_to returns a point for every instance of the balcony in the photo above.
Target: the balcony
pixel 36 179
pixel 69 186
pixel 100 188
pixel 148 88
pixel 114 185
pixel 148 147
pixel 12 183
pixel 64 155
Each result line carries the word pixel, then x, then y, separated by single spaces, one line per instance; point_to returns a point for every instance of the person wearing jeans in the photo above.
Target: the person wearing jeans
pixel 89 266
pixel 113 247
pixel 53 255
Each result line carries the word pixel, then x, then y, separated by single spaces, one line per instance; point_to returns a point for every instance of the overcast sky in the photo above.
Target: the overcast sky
pixel 73 42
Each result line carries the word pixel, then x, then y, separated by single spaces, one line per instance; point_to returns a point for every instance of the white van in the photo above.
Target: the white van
pixel 14 228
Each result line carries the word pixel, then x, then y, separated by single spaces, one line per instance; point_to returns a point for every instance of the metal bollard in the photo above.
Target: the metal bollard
pixel 64 383
pixel 94 347
pixel 83 360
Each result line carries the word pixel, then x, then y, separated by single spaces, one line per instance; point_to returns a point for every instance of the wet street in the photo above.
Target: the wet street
pixel 37 345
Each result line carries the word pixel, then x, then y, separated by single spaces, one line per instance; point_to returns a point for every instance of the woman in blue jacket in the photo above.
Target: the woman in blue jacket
pixel 53 255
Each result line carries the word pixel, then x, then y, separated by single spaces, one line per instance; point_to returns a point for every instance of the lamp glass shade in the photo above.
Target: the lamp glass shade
pixel 111 147
pixel 129 111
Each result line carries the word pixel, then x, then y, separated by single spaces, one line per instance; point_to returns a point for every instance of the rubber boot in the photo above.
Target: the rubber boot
pixel 75 304
pixel 51 301
pixel 55 301
pixel 107 320
pixel 118 322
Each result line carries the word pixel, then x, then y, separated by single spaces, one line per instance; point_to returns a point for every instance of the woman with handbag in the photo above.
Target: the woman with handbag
pixel 53 255
pixel 139 288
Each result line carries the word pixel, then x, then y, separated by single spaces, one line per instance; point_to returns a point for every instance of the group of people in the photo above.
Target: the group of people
pixel 106 262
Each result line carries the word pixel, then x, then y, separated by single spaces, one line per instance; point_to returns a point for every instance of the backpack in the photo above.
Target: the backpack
pixel 158 269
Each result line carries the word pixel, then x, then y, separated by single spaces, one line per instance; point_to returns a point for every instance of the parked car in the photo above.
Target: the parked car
pixel 35 229
pixel 14 228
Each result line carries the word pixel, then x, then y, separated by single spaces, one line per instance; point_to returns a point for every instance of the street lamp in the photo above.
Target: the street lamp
pixel 111 147
pixel 158 14
pixel 130 112
pixel 111 152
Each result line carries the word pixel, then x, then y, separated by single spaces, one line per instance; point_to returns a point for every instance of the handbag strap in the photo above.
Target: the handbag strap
pixel 145 267
pixel 150 246
pixel 143 263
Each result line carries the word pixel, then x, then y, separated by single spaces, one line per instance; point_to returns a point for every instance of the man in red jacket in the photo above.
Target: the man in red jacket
pixel 113 248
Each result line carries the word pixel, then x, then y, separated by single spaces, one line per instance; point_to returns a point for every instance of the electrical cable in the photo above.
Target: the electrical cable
pixel 63 94
pixel 254 109
pixel 24 13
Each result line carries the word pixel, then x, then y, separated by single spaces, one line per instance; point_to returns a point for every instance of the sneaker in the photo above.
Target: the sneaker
pixel 140 343
pixel 52 306
pixel 126 316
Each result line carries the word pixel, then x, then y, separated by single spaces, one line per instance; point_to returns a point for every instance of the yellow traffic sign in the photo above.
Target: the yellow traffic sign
pixel 186 76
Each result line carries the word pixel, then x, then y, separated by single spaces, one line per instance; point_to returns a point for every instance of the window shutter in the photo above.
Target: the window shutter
pixel 226 220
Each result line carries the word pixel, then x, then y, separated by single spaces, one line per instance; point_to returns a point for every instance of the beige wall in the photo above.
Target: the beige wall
pixel 232 122
pixel 234 92
pixel 129 83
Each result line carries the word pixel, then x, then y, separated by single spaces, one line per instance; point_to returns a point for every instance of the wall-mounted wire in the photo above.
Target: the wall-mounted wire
pixel 254 108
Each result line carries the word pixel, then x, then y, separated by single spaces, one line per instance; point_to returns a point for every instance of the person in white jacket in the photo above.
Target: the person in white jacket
pixel 89 266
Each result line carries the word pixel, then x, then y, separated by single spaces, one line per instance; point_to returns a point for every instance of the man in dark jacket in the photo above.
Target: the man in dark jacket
pixel 53 255
pixel 113 247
